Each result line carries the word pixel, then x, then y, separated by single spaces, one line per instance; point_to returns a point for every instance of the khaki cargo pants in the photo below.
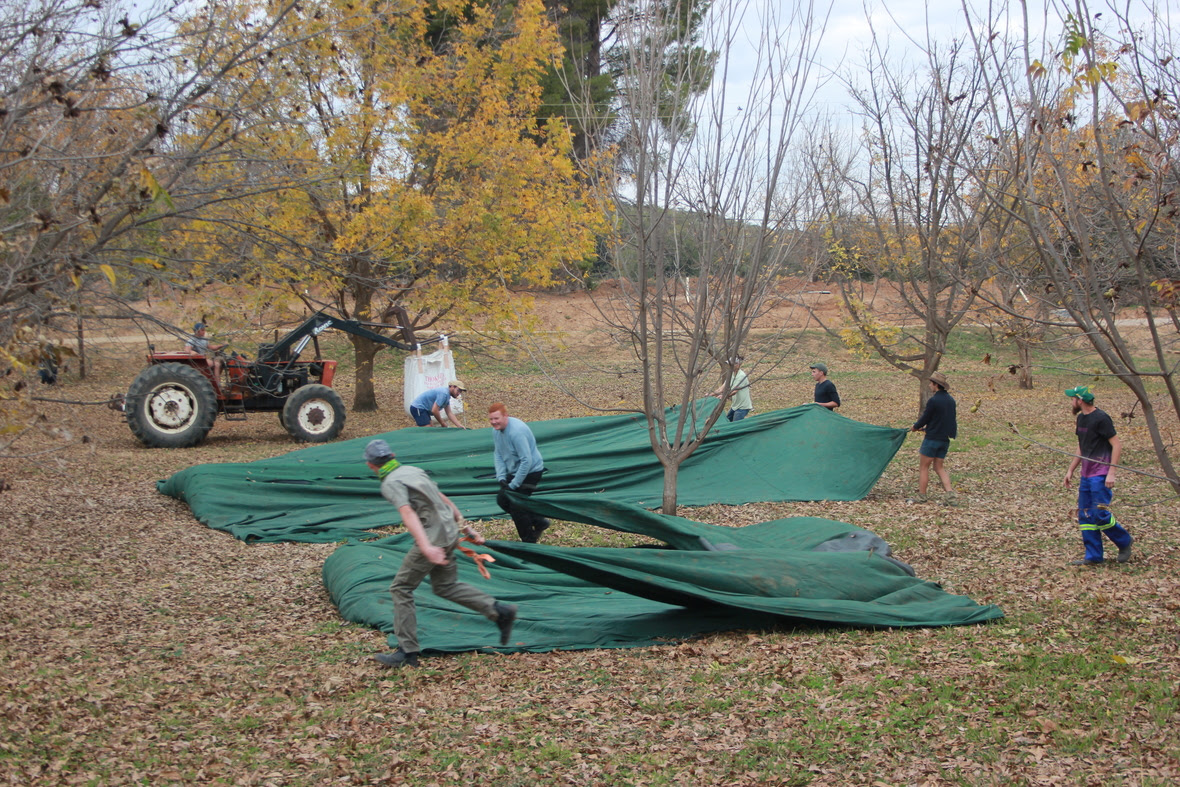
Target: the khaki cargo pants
pixel 443 581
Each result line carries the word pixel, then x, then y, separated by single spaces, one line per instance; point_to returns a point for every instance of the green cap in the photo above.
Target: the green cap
pixel 1082 392
pixel 822 367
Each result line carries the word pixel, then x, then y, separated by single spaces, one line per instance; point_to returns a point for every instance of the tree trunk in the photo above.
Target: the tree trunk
pixel 670 472
pixel 1158 442
pixel 365 400
pixel 1024 371
pixel 81 349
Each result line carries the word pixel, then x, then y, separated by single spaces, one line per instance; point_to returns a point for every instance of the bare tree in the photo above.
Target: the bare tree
pixel 1014 319
pixel 1089 123
pixel 93 156
pixel 902 213
pixel 691 290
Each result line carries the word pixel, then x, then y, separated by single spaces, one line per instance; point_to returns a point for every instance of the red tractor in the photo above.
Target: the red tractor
pixel 173 402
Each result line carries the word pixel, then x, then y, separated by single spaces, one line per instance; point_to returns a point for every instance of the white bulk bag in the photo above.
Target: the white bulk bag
pixel 424 372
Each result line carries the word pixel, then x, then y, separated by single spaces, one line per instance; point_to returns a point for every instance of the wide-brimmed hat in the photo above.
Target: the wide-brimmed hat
pixel 821 366
pixel 458 384
pixel 940 379
pixel 1082 392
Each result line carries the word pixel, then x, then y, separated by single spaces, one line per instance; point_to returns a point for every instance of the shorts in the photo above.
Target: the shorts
pixel 420 416
pixel 935 449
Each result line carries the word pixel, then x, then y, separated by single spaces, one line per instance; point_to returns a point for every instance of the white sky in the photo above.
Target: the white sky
pixel 901 23
pixel 847 37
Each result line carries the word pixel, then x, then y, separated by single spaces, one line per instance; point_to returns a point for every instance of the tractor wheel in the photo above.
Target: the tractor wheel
pixel 314 414
pixel 170 405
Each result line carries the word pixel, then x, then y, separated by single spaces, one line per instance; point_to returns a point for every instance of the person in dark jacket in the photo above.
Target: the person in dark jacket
pixel 938 421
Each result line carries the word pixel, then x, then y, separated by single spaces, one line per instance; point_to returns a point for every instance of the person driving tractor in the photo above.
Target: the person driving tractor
pixel 199 344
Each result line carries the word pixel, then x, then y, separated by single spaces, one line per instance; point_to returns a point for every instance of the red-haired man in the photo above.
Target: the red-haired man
pixel 519 466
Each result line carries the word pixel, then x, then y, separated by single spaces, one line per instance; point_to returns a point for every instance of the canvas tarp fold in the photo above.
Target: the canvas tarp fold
pixel 575 598
pixel 326 493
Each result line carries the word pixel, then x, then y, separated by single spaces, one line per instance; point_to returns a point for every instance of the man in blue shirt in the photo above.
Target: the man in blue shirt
pixel 433 404
pixel 519 466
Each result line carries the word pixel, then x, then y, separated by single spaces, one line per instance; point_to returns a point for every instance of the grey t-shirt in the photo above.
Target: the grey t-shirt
pixel 740 385
pixel 410 485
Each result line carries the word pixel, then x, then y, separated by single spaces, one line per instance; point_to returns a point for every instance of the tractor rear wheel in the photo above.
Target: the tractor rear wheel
pixel 314 414
pixel 171 405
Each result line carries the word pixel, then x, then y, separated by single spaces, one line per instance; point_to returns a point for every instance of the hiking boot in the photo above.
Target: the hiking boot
pixel 1125 552
pixel 1085 562
pixel 952 499
pixel 916 499
pixel 397 659
pixel 505 617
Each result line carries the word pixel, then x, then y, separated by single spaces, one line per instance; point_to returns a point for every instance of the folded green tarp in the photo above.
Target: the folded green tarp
pixel 758 576
pixel 327 493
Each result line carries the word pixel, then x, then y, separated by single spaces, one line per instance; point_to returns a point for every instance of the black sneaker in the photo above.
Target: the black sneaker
pixel 1084 562
pixel 505 617
pixel 1125 552
pixel 398 658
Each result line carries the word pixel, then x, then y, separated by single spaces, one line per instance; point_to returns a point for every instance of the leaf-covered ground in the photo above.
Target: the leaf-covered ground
pixel 141 647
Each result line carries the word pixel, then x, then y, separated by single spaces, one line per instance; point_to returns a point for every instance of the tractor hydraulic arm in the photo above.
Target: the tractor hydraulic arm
pixel 293 343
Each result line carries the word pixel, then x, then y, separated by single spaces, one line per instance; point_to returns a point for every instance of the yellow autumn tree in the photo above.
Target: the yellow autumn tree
pixel 402 169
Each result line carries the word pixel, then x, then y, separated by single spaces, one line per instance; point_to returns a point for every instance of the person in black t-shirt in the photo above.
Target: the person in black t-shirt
pixel 825 389
pixel 1099 451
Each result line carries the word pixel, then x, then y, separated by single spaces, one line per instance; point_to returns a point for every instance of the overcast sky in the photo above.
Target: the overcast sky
pixel 904 24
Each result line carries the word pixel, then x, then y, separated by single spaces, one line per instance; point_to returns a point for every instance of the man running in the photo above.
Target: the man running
pixel 435 523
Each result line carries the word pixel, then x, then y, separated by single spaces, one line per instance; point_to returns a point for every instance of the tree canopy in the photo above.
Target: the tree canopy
pixel 407 170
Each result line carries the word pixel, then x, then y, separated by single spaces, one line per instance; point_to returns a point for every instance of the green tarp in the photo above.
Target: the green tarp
pixel 756 577
pixel 326 493
pixel 601 471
